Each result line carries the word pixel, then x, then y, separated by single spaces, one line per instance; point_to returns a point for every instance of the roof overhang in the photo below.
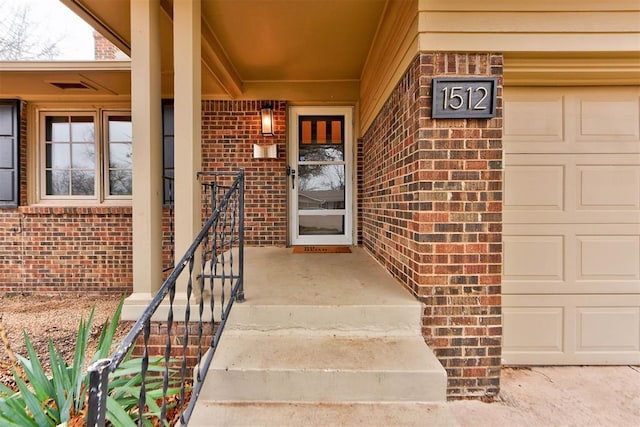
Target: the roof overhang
pixel 303 50
pixel 56 80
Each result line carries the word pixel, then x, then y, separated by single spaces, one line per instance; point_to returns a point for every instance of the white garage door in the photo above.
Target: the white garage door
pixel 571 280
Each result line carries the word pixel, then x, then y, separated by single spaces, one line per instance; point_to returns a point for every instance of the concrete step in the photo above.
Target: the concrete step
pixel 321 368
pixel 349 320
pixel 282 414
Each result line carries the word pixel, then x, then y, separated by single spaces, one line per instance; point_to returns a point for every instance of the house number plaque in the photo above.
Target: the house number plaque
pixel 464 98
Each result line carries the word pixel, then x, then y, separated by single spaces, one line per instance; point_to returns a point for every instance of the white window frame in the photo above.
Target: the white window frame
pixel 106 185
pixel 101 190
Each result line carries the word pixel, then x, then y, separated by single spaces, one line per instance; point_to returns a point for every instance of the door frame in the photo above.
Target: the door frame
pixel 294 113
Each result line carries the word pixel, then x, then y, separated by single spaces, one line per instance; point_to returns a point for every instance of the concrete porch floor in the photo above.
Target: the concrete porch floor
pixel 318 278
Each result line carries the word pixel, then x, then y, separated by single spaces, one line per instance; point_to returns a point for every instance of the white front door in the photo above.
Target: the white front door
pixel 320 183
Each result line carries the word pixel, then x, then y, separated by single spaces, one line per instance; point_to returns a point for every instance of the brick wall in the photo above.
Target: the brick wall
pixel 104 50
pixel 58 250
pixel 157 342
pixel 431 212
pixel 229 130
pixel 168 239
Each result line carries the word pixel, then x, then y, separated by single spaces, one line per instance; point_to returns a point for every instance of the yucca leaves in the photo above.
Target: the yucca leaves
pixel 53 400
pixel 105 341
pixel 117 414
pixel 13 411
pixel 78 378
pixel 61 382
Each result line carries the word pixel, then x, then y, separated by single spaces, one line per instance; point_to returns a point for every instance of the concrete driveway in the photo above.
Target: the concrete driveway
pixel 559 396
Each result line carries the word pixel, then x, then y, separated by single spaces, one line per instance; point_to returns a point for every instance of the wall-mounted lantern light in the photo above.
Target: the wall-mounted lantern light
pixel 266 117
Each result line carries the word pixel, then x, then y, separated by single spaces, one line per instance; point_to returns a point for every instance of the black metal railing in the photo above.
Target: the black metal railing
pixel 212 270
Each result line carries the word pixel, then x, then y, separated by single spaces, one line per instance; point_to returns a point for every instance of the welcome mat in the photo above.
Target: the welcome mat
pixel 321 250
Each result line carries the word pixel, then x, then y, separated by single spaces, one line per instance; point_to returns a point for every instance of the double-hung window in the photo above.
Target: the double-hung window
pixel 86 155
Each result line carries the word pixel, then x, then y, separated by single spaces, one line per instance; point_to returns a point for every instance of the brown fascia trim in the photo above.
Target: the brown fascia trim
pixel 26 66
pixel 92 19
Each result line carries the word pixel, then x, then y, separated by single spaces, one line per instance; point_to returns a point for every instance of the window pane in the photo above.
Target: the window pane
pixel 120 129
pixel 168 152
pixel 57 129
pixel 82 129
pixel 321 224
pixel 82 183
pixel 57 183
pixel 120 183
pixel 321 187
pixel 83 155
pixel 120 155
pixel 321 177
pixel 321 153
pixel 58 156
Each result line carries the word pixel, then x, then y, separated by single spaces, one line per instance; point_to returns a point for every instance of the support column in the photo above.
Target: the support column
pixel 187 123
pixel 147 155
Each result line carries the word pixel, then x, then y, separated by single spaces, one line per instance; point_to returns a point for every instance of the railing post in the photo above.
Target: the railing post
pixel 240 294
pixel 98 388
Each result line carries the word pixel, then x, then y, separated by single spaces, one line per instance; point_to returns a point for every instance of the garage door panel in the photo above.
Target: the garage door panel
pixel 571 258
pixel 543 123
pixel 544 327
pixel 608 257
pixel 610 187
pixel 595 329
pixel 604 120
pixel 606 329
pixel 534 258
pixel 535 187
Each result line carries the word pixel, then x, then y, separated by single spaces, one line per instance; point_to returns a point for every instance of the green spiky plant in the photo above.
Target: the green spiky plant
pixel 60 399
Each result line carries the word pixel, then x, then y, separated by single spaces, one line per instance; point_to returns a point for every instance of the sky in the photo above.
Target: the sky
pixel 57 22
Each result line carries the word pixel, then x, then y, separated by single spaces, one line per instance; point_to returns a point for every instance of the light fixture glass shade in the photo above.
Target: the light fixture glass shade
pixel 266 117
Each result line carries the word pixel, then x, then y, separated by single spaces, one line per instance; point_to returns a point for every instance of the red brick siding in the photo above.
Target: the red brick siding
pixel 229 130
pixel 431 202
pixel 157 342
pixel 168 238
pixel 58 250
pixel 11 249
pixel 11 240
pixel 359 188
pixel 104 50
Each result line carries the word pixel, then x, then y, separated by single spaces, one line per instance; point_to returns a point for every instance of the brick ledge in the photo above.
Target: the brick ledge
pixel 76 210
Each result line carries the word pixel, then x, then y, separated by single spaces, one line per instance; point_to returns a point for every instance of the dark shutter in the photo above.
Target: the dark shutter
pixel 9 153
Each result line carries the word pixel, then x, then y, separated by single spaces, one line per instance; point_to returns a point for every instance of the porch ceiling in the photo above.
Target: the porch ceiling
pixel 269 49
